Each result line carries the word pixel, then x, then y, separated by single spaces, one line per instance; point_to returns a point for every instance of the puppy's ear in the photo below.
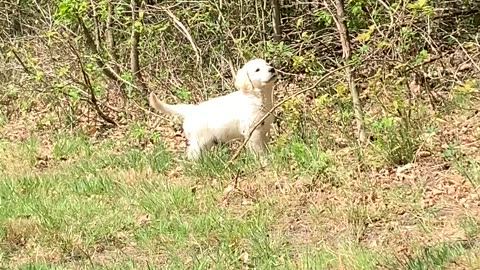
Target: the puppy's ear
pixel 242 81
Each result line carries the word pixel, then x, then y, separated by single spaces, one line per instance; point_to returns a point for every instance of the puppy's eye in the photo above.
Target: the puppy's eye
pixel 257 70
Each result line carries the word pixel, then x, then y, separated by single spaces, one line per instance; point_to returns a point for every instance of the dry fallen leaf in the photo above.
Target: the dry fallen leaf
pixel 247 202
pixel 228 189
pixel 144 219
pixel 423 154
pixel 405 167
pixel 244 257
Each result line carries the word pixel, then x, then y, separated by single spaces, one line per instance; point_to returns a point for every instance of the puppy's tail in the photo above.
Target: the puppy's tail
pixel 180 109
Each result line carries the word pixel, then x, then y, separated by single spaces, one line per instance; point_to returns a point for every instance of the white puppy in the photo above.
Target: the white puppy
pixel 229 117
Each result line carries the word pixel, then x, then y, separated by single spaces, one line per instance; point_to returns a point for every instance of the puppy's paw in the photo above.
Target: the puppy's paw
pixel 263 162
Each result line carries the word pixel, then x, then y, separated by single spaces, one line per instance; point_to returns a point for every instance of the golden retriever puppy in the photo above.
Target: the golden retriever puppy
pixel 229 117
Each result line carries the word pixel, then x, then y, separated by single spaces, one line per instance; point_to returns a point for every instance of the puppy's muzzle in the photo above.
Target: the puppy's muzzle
pixel 273 76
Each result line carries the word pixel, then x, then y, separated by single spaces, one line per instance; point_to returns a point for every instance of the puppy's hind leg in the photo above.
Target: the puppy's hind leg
pixel 197 147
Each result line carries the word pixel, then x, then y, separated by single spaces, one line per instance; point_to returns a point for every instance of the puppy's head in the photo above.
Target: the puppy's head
pixel 255 75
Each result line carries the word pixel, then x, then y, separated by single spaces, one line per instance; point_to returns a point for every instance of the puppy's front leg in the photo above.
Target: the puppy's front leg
pixel 257 143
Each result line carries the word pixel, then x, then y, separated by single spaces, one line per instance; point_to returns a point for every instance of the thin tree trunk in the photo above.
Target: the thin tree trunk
pixel 134 62
pixel 111 49
pixel 97 26
pixel 349 72
pixel 277 27
pixel 110 40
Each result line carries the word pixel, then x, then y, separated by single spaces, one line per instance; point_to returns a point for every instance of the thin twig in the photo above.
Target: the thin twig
pixel 237 153
pixel 466 53
pixel 27 70
pixel 185 32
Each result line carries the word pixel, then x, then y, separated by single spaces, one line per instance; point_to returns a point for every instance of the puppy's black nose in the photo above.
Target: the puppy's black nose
pixel 271 70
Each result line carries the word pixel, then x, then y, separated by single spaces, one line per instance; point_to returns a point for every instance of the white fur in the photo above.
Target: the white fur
pixel 229 117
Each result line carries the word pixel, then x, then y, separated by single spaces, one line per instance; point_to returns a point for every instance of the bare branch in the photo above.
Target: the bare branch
pixel 185 32
pixel 93 97
pixel 107 70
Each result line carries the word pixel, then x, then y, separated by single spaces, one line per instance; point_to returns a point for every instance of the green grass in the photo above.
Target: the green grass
pixel 213 164
pixel 435 257
pixel 465 165
pixel 108 205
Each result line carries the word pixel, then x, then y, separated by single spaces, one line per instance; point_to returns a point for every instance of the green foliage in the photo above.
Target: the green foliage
pixel 300 156
pixel 422 7
pixel 435 257
pixel 67 146
pixel 138 132
pixel 183 94
pixel 469 87
pixel 359 18
pixel 73 92
pixel 68 10
pixel 421 57
pixel 470 169
pixel 471 227
pixel 212 164
pixel 127 76
pixel 77 200
pixel 30 150
pixel 467 166
pixel 292 111
pixel 323 18
pixel 158 159
pixel 395 140
pixel 366 35
pixel 278 52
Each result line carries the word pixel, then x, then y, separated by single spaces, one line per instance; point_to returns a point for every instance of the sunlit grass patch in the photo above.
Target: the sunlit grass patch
pixel 296 155
pixel 213 164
